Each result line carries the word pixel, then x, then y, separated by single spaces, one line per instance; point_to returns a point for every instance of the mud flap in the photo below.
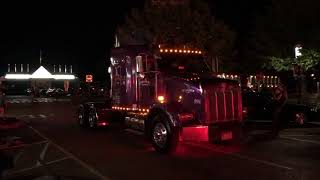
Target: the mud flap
pixel 225 133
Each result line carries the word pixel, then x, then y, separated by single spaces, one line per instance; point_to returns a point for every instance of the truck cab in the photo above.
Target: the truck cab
pixel 171 96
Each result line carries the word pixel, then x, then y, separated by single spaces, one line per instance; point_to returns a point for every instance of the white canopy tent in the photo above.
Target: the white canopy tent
pixel 40 73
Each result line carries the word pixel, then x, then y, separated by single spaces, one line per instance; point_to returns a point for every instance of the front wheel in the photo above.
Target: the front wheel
pixel 92 119
pixel 164 138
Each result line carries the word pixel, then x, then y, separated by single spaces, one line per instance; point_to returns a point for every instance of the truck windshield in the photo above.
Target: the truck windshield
pixel 182 63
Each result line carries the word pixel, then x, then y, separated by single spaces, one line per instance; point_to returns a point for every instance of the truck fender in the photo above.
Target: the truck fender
pixel 153 112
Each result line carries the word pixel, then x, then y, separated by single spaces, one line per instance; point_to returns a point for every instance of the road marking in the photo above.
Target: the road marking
pixel 42 116
pixel 315 123
pixel 36 143
pixel 298 135
pixel 10 173
pixel 43 153
pixel 88 167
pixel 300 140
pixel 31 116
pixel 134 132
pixel 58 160
pixel 242 156
pixel 258 121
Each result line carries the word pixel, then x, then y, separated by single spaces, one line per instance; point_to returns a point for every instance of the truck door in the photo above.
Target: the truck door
pixel 146 81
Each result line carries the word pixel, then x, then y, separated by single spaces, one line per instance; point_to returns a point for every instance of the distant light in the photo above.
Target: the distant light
pixel 166 50
pixel 312 75
pixel 63 76
pixel 18 76
pixel 297 51
pixel 171 50
pixel 175 50
pixel 109 70
pixel 161 99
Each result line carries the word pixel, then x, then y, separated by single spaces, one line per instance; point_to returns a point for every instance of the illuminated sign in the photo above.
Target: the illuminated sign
pixel 89 78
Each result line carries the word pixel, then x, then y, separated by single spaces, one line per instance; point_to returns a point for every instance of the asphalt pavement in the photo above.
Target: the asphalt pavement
pixel 57 146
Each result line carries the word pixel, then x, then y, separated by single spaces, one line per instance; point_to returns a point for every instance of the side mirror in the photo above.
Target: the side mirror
pixel 139 64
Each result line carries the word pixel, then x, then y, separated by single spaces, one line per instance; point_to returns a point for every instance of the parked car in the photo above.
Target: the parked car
pixel 260 106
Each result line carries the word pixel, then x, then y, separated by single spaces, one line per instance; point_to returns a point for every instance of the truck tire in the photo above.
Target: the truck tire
pixel 81 118
pixel 92 120
pixel 164 138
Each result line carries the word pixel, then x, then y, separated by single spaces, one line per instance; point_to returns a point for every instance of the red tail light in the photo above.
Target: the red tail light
pixel 244 112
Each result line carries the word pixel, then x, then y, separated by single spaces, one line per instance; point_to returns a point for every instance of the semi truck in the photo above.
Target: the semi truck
pixel 170 95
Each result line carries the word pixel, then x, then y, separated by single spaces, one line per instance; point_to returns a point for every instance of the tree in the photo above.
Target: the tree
pixel 282 25
pixel 188 24
pixel 308 60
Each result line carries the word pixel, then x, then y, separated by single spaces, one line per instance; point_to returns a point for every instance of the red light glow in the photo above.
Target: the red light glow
pixel 196 133
pixel 103 124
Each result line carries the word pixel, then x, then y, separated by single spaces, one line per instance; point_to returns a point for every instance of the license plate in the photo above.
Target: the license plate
pixel 226 135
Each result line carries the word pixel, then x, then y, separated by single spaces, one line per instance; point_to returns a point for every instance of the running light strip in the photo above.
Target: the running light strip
pixel 180 51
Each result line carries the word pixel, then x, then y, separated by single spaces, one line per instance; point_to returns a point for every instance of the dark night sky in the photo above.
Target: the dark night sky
pixel 81 34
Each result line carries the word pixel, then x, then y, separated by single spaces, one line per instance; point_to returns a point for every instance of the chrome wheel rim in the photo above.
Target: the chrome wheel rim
pixel 91 120
pixel 300 118
pixel 160 135
pixel 80 117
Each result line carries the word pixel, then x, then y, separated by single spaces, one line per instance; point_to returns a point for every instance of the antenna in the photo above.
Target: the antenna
pixel 40 57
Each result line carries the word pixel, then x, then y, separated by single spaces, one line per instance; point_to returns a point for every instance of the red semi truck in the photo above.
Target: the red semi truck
pixel 170 95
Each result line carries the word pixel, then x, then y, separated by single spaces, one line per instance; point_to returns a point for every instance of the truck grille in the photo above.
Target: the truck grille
pixel 222 103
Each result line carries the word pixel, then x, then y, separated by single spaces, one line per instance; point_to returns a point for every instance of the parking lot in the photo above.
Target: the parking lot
pixel 57 146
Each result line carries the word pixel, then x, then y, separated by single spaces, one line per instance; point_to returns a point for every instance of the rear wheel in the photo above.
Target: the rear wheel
pixel 164 138
pixel 81 118
pixel 92 120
